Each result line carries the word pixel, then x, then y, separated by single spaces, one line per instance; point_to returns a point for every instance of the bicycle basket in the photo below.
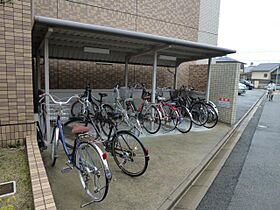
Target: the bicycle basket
pixel 126 92
pixel 54 109
pixel 173 94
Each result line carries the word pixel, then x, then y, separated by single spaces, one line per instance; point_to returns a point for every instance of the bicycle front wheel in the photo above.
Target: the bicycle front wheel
pixel 150 119
pixel 104 123
pixel 93 171
pixel 54 145
pixel 170 118
pixel 130 154
pixel 199 113
pixel 185 119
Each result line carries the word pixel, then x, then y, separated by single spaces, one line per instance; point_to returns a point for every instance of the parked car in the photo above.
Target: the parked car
pixel 248 84
pixel 241 89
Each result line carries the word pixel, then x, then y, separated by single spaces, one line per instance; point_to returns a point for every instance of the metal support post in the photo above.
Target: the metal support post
pixel 277 77
pixel 175 78
pixel 154 82
pixel 47 87
pixel 209 80
pixel 126 73
pixel 38 70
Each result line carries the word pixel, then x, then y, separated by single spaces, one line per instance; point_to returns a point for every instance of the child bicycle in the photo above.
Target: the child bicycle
pixel 86 156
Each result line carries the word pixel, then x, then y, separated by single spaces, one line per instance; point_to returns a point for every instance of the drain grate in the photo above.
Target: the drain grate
pixel 7 188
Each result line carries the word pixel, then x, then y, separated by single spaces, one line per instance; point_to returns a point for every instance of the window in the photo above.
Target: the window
pixel 265 75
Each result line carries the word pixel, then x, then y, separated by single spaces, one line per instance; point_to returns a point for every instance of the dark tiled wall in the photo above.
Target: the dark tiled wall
pixel 174 18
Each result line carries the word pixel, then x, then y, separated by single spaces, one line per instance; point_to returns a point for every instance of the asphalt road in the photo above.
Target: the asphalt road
pixel 244 102
pixel 250 177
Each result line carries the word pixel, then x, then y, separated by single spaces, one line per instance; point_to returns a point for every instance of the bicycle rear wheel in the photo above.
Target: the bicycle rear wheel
pixel 212 117
pixel 185 119
pixel 130 154
pixel 199 113
pixel 93 171
pixel 150 119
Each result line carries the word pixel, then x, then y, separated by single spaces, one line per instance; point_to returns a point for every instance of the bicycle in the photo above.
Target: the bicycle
pixel 169 113
pixel 122 98
pixel 185 117
pixel 197 108
pixel 127 150
pixel 86 156
pixel 86 99
pixel 147 113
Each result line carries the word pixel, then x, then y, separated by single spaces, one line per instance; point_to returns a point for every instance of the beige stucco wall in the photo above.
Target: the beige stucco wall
pixel 260 75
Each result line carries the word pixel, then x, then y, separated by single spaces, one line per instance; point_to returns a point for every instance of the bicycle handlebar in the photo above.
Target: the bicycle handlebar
pixel 57 102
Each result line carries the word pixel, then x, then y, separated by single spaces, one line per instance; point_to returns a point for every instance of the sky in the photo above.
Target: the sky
pixel 252 28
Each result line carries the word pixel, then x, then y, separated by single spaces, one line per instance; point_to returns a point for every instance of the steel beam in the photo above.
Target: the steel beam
pixel 155 49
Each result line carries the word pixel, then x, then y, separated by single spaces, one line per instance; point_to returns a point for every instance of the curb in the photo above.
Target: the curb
pixel 41 190
pixel 176 196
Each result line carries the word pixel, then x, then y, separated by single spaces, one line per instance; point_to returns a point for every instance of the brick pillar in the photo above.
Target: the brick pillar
pixel 16 99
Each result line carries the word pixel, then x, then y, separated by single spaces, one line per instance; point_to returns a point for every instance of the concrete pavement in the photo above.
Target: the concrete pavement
pixel 173 159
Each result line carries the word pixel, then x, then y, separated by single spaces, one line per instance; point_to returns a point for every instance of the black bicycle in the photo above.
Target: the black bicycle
pixel 128 151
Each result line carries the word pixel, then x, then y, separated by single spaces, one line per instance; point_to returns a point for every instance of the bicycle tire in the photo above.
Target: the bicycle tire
pixel 148 121
pixel 199 113
pixel 126 150
pixel 54 145
pixel 104 123
pixel 134 119
pixel 69 137
pixel 92 170
pixel 170 118
pixel 185 119
pixel 77 108
pixel 212 117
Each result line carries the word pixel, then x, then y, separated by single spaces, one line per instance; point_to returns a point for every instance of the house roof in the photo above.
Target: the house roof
pixel 74 40
pixel 265 67
pixel 226 59
pixel 248 69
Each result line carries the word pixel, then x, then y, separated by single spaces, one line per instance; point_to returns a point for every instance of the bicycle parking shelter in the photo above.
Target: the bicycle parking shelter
pixel 63 39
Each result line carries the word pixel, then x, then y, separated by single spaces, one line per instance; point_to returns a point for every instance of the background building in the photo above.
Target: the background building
pixel 193 20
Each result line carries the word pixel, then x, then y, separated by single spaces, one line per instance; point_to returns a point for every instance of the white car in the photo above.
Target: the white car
pixel 241 89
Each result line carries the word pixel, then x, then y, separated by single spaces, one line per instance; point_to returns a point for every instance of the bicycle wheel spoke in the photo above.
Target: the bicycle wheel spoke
pixel 92 172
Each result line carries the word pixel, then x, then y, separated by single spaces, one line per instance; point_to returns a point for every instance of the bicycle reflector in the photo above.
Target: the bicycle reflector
pixel 146 151
pixel 104 156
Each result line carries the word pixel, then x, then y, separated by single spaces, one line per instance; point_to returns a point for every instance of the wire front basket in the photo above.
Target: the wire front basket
pixel 55 109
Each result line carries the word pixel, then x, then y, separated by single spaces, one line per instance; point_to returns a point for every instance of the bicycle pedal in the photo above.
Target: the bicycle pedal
pixel 66 169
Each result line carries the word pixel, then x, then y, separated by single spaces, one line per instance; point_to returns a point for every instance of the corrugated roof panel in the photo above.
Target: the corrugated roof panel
pixel 69 38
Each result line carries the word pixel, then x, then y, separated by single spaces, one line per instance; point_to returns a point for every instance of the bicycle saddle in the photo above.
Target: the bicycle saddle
pixel 103 94
pixel 114 115
pixel 79 129
pixel 161 98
